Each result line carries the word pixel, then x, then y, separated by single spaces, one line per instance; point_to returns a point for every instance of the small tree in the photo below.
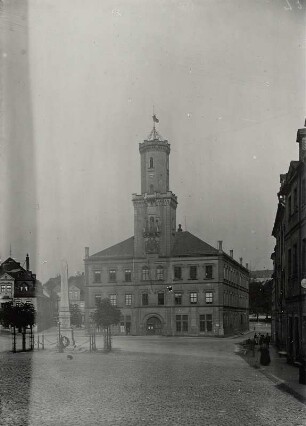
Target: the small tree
pixel 104 316
pixel 75 315
pixel 18 316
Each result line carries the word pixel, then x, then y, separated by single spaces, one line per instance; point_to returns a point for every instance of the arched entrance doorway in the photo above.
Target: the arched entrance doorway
pixel 154 326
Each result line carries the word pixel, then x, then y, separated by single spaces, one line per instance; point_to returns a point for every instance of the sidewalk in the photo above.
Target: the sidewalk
pixel 285 376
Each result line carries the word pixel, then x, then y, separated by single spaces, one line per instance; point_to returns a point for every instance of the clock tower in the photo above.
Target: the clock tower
pixel 155 207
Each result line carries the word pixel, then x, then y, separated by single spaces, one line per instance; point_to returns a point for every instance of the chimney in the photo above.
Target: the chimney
pixel 241 259
pixel 86 252
pixel 247 266
pixel 232 253
pixel 27 262
pixel 180 228
pixel 301 140
pixel 220 246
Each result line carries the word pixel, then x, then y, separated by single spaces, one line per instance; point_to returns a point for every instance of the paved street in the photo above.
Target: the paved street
pixel 145 381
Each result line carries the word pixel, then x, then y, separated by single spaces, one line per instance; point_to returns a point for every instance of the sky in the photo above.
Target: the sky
pixel 80 79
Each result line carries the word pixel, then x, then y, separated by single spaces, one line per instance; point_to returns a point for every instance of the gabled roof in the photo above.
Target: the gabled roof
pixel 15 270
pixel 123 249
pixel 187 244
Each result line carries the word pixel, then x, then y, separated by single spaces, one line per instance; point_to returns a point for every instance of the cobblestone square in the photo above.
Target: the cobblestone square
pixel 144 381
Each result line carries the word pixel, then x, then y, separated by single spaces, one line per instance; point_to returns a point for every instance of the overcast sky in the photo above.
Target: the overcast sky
pixel 80 78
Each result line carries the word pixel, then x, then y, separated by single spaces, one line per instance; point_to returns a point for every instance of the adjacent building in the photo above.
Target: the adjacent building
pixel 165 280
pixel 17 284
pixel 289 257
pixel 75 293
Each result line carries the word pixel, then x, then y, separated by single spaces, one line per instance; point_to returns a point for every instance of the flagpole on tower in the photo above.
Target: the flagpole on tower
pixel 154 129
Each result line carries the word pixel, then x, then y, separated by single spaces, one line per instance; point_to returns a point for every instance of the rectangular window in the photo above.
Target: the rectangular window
pixel 202 324
pixel 113 299
pixel 295 202
pixel 193 298
pixel 193 272
pixel 208 297
pixel 97 276
pixel 177 273
pixel 128 275
pixel 160 273
pixel 161 299
pixel 289 206
pixel 206 323
pixel 98 298
pixel 128 299
pixel 294 260
pixel 112 275
pixel 145 274
pixel 3 288
pixel 208 271
pixel 145 299
pixel 8 288
pixel 178 298
pixel 209 322
pixel 17 302
pixel 182 323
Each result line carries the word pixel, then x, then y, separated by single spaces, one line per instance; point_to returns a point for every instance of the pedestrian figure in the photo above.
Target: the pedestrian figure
pixel 252 346
pixel 264 355
pixel 261 340
pixel 256 339
pixel 267 339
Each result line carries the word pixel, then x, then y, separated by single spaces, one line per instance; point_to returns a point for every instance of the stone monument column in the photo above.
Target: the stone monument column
pixel 64 312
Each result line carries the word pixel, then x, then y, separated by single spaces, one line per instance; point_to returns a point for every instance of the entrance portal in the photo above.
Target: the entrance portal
pixel 154 326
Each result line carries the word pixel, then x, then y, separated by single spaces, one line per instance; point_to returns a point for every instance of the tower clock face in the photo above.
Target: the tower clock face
pixel 152 245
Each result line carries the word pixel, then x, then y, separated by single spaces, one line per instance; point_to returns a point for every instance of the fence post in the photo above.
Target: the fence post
pixel 43 341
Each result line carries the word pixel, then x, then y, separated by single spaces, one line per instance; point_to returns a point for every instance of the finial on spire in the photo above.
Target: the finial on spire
pixel 154 135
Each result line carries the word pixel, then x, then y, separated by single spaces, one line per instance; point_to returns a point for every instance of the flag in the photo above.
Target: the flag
pixel 155 119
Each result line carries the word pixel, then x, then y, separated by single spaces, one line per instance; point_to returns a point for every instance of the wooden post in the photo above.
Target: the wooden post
pixel 23 332
pixel 14 340
pixel 43 341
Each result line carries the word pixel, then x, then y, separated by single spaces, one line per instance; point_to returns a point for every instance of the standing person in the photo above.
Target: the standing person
pixel 256 339
pixel 261 340
pixel 264 355
pixel 252 346
pixel 267 339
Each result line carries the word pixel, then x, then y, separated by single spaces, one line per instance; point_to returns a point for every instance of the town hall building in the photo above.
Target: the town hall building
pixel 165 280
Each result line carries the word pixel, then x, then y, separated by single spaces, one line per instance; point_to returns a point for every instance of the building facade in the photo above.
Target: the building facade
pixel 289 257
pixel 164 280
pixel 17 285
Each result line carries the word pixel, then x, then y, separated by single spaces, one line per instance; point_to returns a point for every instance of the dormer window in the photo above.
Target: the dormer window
pixel 151 163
